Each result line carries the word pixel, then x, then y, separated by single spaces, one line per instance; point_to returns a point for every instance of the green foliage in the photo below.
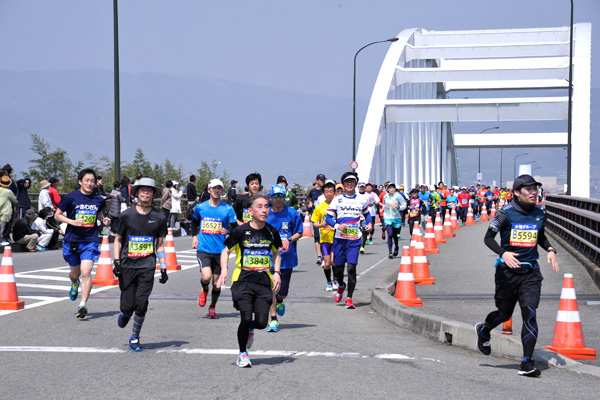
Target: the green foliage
pixel 204 174
pixel 51 163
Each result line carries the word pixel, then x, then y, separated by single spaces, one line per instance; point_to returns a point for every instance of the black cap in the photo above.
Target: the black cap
pixel 321 176
pixel 525 180
pixel 280 179
pixel 413 190
pixel 53 180
pixel 233 182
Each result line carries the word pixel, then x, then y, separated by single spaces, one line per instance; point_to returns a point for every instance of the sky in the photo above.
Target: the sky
pixel 300 46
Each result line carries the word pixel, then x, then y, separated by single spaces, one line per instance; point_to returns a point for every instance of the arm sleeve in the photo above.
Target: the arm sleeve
pixel 542 238
pixel 490 242
pixel 195 222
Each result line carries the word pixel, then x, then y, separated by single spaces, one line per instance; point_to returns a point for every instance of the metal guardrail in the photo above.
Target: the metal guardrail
pixel 577 221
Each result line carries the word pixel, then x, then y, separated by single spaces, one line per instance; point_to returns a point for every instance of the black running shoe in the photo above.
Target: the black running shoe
pixel 483 342
pixel 82 312
pixel 123 320
pixel 528 368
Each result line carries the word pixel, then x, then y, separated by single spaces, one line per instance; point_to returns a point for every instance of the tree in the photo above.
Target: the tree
pixel 172 173
pixel 51 164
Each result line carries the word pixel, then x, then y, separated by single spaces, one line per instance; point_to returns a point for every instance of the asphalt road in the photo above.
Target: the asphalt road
pixel 322 349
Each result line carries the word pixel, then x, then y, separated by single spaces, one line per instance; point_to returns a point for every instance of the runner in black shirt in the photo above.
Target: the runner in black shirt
pixel 253 181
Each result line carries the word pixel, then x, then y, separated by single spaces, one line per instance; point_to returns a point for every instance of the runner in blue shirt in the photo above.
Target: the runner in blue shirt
pixel 288 223
pixel 212 218
pixel 81 210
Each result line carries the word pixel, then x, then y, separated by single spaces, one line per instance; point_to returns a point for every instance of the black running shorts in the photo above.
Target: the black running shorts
pixel 206 260
pixel 250 296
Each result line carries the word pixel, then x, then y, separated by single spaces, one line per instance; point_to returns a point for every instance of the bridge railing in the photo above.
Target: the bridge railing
pixel 577 221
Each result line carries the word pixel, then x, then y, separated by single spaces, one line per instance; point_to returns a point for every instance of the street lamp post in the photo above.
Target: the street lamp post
pixel 570 108
pixel 354 96
pixel 117 113
pixel 515 170
pixel 479 162
pixel 501 149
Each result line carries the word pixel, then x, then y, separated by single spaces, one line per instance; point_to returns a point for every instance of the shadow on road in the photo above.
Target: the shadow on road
pixel 162 345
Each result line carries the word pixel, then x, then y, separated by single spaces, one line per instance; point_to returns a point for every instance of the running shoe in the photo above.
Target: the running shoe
pixel 383 235
pixel 335 284
pixel 362 250
pixel 329 287
pixel 123 320
pixel 339 293
pixel 243 360
pixel 40 248
pixel 391 256
pixel 396 252
pixel 319 260
pixel 73 292
pixel 4 243
pixel 273 326
pixel 280 309
pixel 250 338
pixel 483 342
pixel 82 312
pixel 528 368
pixel 350 304
pixel 211 313
pixel 134 343
pixel 369 241
pixel 202 298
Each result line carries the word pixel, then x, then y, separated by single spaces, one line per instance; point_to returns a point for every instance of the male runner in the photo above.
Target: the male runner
pixel 253 182
pixel 373 200
pixel 140 240
pixel 344 215
pixel 288 223
pixel 518 275
pixel 318 220
pixel 255 244
pixel 212 218
pixel 393 205
pixel 81 210
pixel 463 204
pixel 313 201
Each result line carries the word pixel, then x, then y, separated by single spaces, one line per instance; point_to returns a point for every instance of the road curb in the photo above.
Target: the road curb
pixel 463 335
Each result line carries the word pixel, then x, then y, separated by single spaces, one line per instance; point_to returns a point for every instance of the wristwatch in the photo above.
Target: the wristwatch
pixel 278 272
pixel 552 249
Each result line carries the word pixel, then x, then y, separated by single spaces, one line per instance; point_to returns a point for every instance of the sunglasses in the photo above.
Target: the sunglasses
pixel 278 195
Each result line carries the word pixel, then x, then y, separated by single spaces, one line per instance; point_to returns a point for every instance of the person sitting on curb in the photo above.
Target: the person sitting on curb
pixel 22 232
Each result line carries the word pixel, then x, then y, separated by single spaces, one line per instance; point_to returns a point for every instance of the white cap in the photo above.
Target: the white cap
pixel 215 182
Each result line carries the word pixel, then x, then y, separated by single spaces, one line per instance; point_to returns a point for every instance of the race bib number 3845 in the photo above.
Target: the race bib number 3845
pixel 523 235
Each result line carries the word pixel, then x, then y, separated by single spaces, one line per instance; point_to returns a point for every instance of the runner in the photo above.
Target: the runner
pixel 313 201
pixel 288 223
pixel 393 205
pixel 253 183
pixel 255 244
pixel 327 232
pixel 373 203
pixel 80 210
pixel 382 194
pixel 518 276
pixel 290 197
pixel 344 215
pixel 140 240
pixel 414 207
pixel 451 201
pixel 212 218
pixel 463 204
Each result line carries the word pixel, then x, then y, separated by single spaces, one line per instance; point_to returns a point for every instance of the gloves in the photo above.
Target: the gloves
pixel 163 276
pixel 117 268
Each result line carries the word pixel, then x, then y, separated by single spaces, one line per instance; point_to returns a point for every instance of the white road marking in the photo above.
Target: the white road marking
pixel 371 267
pixel 52 287
pixel 47 277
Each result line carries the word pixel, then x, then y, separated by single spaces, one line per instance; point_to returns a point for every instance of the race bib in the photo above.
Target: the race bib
pixel 140 246
pixel 413 214
pixel 463 201
pixel 351 232
pixel 246 217
pixel 87 216
pixel 257 260
pixel 211 226
pixel 523 235
pixel 471 201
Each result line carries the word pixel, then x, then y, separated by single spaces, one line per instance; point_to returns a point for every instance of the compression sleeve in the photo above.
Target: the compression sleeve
pixel 195 226
pixel 329 219
pixel 490 242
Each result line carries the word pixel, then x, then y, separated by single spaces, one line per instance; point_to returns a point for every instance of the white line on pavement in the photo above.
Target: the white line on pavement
pixel 52 287
pixel 371 267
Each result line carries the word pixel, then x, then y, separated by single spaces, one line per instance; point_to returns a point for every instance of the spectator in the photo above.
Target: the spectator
pixel 232 193
pixel 7 199
pixel 205 194
pixel 114 210
pixel 23 196
pixel 99 187
pixel 176 194
pixel 13 186
pixel 44 199
pixel 166 201
pixel 192 194
pixel 54 196
pixel 125 186
pixel 47 237
pixel 22 233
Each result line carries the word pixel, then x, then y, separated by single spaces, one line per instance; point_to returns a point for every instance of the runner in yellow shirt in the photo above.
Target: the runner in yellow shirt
pixel 327 232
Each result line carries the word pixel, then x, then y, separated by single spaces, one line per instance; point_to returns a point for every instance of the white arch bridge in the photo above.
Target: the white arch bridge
pixel 407 134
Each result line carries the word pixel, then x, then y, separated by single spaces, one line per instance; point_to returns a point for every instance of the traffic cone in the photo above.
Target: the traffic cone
pixel 420 266
pixel 568 334
pixel 104 270
pixel 493 213
pixel 406 292
pixel 413 240
pixel 429 239
pixel 306 228
pixel 9 298
pixel 454 221
pixel 170 256
pixel 438 231
pixel 470 220
pixel 507 327
pixel 448 224
pixel 484 214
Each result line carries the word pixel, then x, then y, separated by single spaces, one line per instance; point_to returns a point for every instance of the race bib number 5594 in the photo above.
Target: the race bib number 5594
pixel 523 235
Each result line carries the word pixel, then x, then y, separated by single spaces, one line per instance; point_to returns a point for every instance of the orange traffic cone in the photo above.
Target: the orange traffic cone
pixel 9 298
pixel 170 256
pixel 438 231
pixel 420 266
pixel 406 292
pixel 470 220
pixel 413 240
pixel 507 327
pixel 104 270
pixel 454 221
pixel 484 214
pixel 429 240
pixel 568 334
pixel 306 227
pixel 493 213
pixel 448 224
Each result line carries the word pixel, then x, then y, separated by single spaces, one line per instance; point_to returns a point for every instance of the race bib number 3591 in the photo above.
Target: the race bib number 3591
pixel 257 260
pixel 87 216
pixel 140 246
pixel 523 235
